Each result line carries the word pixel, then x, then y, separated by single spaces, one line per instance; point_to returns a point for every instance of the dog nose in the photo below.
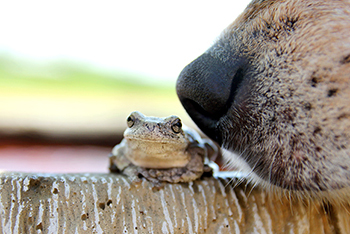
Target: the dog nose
pixel 204 82
pixel 206 88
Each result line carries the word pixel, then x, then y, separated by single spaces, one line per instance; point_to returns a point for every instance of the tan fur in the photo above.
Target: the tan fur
pixel 293 115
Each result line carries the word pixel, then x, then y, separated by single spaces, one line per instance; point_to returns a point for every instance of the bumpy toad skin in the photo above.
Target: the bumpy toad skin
pixel 161 149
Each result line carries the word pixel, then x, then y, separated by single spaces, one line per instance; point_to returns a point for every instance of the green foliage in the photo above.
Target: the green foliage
pixel 58 79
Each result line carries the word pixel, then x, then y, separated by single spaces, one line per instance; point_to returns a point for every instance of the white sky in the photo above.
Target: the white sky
pixel 153 37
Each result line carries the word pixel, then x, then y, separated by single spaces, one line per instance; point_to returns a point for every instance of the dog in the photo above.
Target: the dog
pixel 274 92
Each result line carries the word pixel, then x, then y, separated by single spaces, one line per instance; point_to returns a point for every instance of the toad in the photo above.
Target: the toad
pixel 161 149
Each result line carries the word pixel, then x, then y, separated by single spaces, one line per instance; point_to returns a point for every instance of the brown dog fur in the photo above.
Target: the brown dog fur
pixel 289 123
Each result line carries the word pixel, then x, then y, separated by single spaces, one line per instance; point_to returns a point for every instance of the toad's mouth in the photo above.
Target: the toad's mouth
pixel 159 140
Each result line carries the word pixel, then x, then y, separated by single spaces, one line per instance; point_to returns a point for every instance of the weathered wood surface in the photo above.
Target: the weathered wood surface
pixel 109 203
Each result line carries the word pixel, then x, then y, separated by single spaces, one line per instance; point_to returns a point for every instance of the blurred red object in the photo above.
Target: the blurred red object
pixel 54 158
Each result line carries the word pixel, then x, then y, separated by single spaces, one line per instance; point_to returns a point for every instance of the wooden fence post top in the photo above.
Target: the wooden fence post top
pixel 110 203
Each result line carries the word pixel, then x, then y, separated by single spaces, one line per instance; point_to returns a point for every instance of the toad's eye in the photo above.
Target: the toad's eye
pixel 176 125
pixel 130 121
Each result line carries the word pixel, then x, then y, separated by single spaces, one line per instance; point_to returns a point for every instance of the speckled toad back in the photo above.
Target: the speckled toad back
pixel 161 149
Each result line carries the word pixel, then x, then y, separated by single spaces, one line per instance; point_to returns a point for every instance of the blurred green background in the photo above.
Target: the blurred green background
pixel 70 100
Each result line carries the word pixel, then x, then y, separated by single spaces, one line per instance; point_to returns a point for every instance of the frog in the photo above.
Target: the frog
pixel 162 149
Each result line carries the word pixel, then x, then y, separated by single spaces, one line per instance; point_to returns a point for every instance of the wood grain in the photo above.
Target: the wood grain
pixel 110 203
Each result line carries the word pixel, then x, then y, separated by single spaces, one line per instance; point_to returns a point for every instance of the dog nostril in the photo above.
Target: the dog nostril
pixel 206 121
pixel 194 107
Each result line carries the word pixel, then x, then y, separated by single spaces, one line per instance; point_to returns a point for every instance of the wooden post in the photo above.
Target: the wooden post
pixel 110 203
